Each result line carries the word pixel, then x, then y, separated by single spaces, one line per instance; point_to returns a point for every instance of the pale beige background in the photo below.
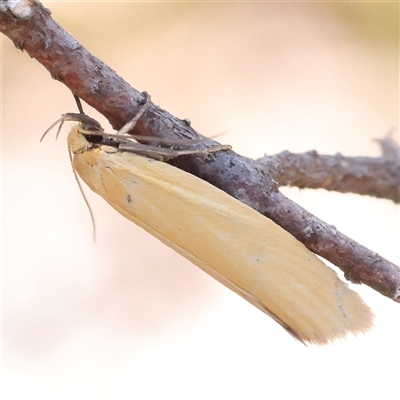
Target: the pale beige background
pixel 128 318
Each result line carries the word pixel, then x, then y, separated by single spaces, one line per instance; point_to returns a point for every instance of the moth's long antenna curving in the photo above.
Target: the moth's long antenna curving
pixel 84 197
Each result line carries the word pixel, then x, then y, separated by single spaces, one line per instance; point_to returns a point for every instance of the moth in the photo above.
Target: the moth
pixel 236 245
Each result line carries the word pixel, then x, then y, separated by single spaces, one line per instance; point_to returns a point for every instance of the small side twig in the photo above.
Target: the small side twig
pixel 378 177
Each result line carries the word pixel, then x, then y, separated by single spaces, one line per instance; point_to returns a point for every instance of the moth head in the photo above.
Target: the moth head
pixel 85 135
pixel 82 136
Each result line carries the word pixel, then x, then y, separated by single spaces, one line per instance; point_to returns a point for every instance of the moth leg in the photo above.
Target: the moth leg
pixel 177 153
pixel 131 124
pixel 161 154
pixel 208 150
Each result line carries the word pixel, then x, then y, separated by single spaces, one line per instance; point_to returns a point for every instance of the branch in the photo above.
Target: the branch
pixel 378 177
pixel 32 29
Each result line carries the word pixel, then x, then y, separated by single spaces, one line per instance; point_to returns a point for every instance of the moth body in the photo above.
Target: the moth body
pixel 233 243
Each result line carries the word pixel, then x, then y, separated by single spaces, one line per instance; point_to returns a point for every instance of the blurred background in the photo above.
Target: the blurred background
pixel 126 317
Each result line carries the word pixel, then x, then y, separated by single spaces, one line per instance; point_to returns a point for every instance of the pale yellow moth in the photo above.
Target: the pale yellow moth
pixel 233 243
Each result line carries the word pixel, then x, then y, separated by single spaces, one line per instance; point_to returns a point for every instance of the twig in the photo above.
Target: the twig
pixel 32 29
pixel 378 177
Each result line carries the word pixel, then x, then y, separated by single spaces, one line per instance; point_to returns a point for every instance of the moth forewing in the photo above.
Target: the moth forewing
pixel 236 245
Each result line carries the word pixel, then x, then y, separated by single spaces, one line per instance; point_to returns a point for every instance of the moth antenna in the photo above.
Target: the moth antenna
pixel 84 197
